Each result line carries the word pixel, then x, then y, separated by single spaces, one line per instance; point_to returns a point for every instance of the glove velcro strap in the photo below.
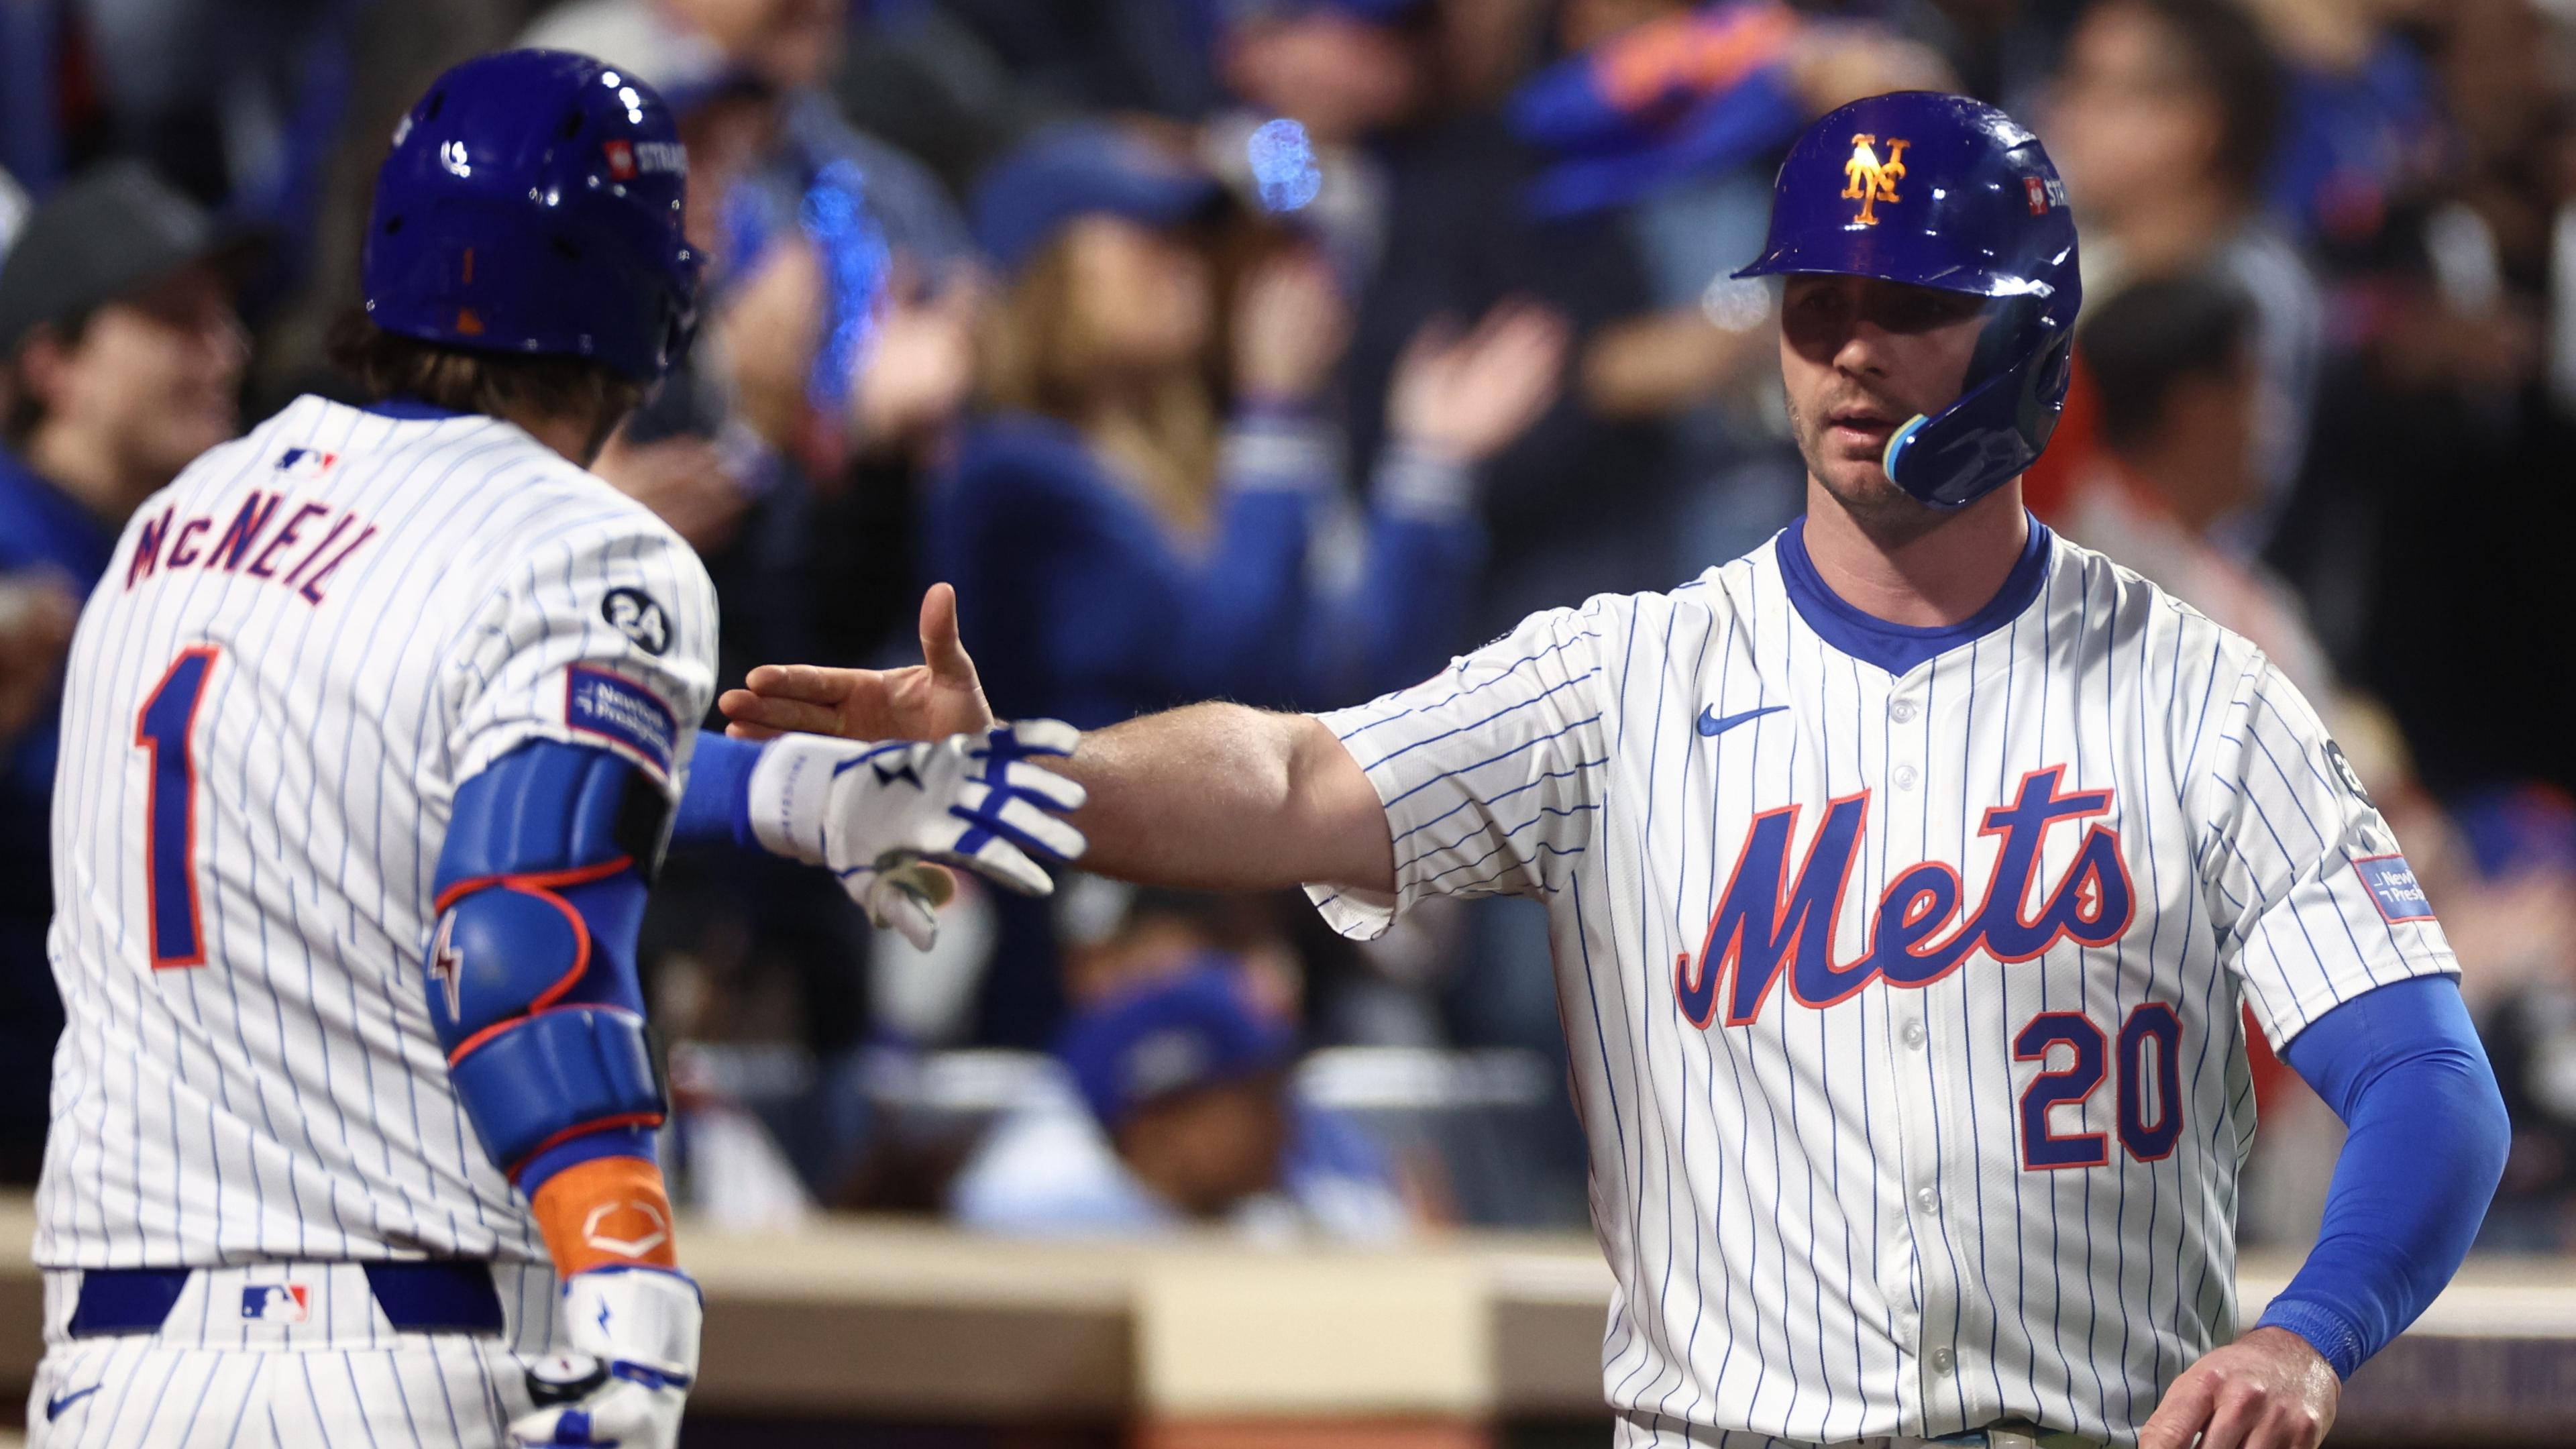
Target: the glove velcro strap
pixel 791 795
pixel 643 1318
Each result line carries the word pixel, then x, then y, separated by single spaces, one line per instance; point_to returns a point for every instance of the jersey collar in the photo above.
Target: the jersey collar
pixel 1898 648
pixel 408 409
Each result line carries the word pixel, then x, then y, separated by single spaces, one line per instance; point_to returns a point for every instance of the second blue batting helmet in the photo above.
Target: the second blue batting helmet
pixel 531 205
pixel 1941 191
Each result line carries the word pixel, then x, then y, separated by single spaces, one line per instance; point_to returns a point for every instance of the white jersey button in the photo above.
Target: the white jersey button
pixel 1902 711
pixel 1928 1199
pixel 1913 1034
pixel 1941 1361
pixel 1905 777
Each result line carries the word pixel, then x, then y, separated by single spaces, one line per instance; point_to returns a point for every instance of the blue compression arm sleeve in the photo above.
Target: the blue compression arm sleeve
pixel 2401 1065
pixel 715 807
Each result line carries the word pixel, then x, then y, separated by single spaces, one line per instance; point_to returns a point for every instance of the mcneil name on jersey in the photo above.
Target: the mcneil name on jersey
pixel 1768 923
pixel 296 545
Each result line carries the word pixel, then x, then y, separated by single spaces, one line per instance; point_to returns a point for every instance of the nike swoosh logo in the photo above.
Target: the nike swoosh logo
pixel 1710 723
pixel 54 1407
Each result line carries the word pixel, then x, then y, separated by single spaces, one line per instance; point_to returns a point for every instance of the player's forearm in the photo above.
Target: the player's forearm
pixel 607 1212
pixel 2402 1066
pixel 1223 797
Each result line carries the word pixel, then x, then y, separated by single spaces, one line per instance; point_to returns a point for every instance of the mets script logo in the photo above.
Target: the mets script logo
pixel 1869 180
pixel 1924 928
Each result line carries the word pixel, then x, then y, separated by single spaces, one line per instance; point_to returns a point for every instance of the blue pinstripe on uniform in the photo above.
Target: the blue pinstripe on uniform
pixel 286 1101
pixel 1550 764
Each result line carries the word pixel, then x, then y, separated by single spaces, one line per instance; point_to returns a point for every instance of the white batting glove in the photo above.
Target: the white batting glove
pixel 634 1335
pixel 876 815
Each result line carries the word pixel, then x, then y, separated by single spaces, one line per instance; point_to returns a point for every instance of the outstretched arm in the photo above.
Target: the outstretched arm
pixel 1220 797
pixel 1214 796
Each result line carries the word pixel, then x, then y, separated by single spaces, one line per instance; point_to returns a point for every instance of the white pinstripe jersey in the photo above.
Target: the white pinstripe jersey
pixel 1903 1008
pixel 301 648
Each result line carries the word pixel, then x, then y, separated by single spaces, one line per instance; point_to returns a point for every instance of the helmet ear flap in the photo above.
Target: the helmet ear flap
pixel 1994 431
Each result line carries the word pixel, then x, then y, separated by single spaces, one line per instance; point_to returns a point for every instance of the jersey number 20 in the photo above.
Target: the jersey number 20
pixel 2149 1063
pixel 166 730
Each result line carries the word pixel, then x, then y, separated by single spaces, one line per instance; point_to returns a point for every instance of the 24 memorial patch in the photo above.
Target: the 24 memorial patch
pixel 637 615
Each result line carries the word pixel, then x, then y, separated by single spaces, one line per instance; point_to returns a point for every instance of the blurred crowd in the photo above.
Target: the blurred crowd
pixel 1278 349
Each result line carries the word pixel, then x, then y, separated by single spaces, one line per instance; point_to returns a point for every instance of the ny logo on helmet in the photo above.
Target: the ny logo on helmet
pixel 1872 181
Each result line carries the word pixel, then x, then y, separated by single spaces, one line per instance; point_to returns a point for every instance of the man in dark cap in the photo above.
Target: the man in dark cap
pixel 120 358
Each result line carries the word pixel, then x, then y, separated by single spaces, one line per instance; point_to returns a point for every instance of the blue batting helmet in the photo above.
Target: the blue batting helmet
pixel 1941 191
pixel 531 205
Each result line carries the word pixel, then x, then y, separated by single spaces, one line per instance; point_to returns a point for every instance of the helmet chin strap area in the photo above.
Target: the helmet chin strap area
pixel 1896 444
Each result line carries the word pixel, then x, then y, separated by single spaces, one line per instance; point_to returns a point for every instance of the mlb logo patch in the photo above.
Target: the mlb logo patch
pixel 2393 888
pixel 306 462
pixel 276 1302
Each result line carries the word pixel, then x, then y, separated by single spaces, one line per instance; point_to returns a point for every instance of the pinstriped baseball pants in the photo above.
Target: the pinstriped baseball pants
pixel 335 1375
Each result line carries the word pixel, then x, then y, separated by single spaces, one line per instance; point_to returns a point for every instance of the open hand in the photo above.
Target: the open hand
pixel 1291 325
pixel 927 701
pixel 1466 398
pixel 2267 1390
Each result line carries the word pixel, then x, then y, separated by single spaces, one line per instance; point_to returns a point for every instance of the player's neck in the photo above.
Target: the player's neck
pixel 1924 579
pixel 577 439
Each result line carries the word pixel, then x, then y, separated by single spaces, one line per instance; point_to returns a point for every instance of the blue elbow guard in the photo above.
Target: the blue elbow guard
pixel 558 1074
pixel 531 972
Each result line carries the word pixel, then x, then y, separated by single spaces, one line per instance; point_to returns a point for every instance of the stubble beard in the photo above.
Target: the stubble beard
pixel 1889 515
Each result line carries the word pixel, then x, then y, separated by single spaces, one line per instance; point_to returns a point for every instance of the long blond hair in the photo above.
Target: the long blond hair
pixel 1041 352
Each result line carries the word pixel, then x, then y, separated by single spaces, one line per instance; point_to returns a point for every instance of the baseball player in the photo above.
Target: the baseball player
pixel 1906 878
pixel 375 731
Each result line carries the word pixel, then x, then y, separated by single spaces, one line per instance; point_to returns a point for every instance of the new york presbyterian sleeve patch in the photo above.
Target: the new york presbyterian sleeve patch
pixel 599 703
pixel 2393 888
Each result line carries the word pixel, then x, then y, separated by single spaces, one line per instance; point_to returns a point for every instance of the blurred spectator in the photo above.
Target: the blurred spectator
pixel 120 356
pixel 2163 122
pixel 1115 552
pixel 1342 72
pixel 2173 360
pixel 2455 316
pixel 1174 1105
pixel 2361 125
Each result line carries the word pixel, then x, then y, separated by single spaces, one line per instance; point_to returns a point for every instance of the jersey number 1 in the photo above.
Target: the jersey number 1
pixel 166 730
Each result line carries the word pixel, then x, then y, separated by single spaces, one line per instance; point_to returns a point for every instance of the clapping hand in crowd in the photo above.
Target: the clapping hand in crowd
pixel 1467 397
pixel 920 365
pixel 1290 328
